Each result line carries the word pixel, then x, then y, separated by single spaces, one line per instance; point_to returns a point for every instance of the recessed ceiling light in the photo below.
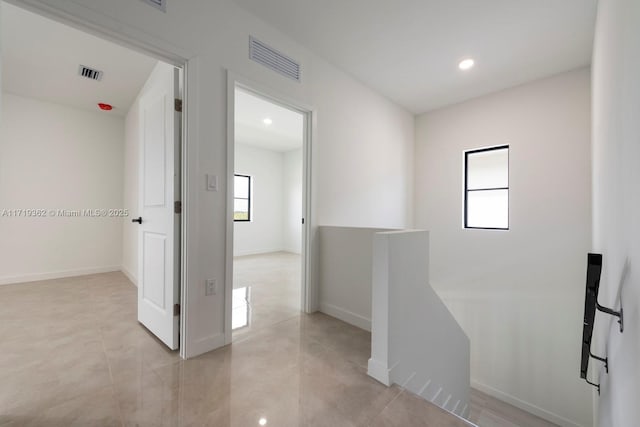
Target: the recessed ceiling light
pixel 267 121
pixel 466 64
pixel 262 421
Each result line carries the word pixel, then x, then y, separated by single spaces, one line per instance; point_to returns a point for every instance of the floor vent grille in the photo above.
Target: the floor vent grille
pixel 273 59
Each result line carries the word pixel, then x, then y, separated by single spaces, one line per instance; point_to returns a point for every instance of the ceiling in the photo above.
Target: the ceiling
pixel 408 50
pixel 40 59
pixel 284 133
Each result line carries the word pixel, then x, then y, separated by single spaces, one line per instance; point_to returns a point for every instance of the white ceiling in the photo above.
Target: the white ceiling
pixel 408 50
pixel 40 59
pixel 285 132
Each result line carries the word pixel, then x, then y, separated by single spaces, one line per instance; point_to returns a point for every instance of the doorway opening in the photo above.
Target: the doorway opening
pixel 269 200
pixel 91 140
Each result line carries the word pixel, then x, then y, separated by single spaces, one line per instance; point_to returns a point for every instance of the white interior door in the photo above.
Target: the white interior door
pixel 158 238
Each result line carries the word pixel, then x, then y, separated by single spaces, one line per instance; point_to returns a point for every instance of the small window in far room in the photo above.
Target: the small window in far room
pixel 242 198
pixel 486 188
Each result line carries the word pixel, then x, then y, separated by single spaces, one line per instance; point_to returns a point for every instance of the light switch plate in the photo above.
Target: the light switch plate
pixel 211 288
pixel 212 182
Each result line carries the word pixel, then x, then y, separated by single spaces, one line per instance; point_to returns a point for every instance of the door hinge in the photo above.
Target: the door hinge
pixel 177 207
pixel 176 309
pixel 178 105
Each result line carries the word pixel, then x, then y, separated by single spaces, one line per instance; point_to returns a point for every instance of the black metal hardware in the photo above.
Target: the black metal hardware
pixel 138 220
pixel 618 314
pixel 594 269
pixel 605 360
pixel 593 384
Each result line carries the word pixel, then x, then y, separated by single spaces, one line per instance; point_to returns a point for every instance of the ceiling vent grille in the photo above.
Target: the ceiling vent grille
pixel 271 58
pixel 90 73
pixel 158 4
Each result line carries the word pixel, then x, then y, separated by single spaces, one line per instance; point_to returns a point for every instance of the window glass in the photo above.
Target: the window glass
pixel 486 198
pixel 242 198
pixel 488 209
pixel 488 169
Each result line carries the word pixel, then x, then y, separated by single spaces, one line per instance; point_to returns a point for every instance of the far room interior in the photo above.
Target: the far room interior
pixel 268 201
pixel 74 109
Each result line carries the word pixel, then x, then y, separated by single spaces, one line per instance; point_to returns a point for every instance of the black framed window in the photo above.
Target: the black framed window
pixel 486 188
pixel 242 198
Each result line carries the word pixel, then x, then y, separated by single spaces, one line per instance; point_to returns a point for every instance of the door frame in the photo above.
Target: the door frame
pixel 133 39
pixel 235 80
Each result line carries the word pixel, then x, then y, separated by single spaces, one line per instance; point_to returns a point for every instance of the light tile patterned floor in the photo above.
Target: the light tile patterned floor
pixel 73 354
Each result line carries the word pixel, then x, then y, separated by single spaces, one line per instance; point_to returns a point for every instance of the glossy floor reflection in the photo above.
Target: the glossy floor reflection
pixel 73 354
pixel 266 291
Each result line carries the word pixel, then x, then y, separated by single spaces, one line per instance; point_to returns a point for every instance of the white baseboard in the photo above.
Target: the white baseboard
pixel 346 316
pixel 257 252
pixel 205 345
pixel 10 280
pixel 532 409
pixel 378 371
pixel 132 277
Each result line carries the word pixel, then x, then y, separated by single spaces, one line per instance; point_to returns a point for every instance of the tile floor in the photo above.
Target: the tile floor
pixel 266 291
pixel 73 354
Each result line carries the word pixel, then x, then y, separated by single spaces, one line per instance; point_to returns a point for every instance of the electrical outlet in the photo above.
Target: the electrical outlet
pixel 210 287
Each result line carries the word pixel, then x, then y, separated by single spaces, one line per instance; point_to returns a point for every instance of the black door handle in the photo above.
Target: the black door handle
pixel 138 220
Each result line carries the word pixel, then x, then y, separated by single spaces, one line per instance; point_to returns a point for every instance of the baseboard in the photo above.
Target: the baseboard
pixel 532 409
pixel 346 316
pixel 56 275
pixel 257 252
pixel 132 278
pixel 378 371
pixel 204 345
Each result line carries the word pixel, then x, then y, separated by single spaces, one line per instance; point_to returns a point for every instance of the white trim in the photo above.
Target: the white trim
pixel 189 249
pixel 259 252
pixel 12 280
pixel 234 80
pixel 231 138
pixel 103 26
pixel 532 409
pixel 379 371
pixel 204 345
pixel 132 277
pixel 346 316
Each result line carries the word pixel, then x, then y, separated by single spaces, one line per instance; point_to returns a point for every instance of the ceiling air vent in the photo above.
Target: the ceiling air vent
pixel 271 58
pixel 158 4
pixel 89 73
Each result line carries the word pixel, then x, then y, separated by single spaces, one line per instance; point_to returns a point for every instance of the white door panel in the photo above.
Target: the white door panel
pixel 158 275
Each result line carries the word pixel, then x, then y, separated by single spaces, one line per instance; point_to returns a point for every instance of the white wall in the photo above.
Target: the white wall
pixel 276 201
pixel 519 294
pixel 292 215
pixel 55 157
pixel 415 341
pixel 616 205
pixel 131 182
pixel 345 266
pixel 354 129
pixel 130 191
pixel 264 233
